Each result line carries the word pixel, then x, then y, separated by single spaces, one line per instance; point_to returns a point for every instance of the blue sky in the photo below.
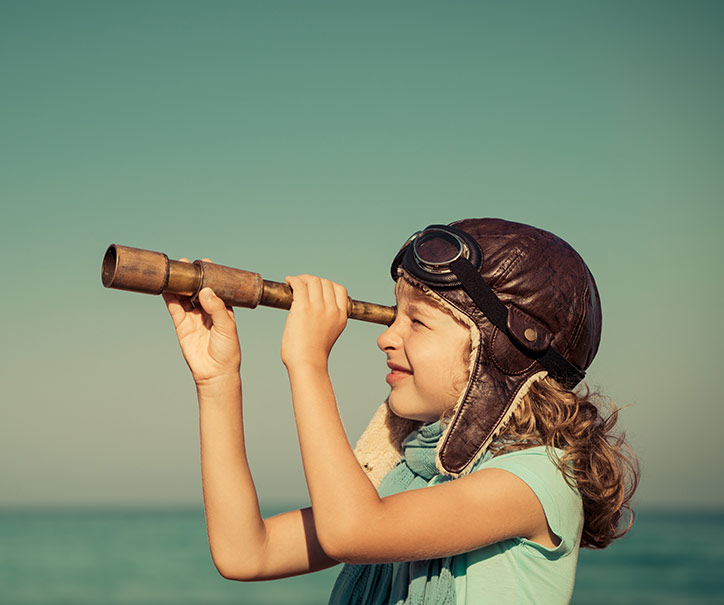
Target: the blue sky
pixel 315 137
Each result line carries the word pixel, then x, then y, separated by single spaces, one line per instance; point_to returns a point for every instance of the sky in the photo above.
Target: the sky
pixel 315 137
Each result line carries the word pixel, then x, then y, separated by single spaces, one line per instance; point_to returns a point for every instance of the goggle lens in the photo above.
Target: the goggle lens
pixel 428 254
pixel 437 248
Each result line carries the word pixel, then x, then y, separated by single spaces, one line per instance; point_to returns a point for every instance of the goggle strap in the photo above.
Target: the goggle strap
pixel 497 313
pixel 481 293
pixel 560 368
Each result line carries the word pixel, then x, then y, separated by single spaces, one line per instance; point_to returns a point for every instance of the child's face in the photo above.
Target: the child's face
pixel 426 350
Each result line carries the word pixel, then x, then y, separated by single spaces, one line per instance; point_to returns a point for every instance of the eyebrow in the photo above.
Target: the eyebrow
pixel 414 308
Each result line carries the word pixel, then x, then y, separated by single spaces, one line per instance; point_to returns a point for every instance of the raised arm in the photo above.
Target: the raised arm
pixel 244 546
pixel 353 523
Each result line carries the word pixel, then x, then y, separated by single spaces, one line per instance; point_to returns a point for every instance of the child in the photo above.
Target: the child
pixel 496 323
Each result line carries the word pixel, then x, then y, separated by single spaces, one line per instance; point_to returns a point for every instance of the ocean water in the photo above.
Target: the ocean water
pixel 159 557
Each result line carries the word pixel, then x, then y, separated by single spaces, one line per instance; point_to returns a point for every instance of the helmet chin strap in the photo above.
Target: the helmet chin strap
pixel 486 300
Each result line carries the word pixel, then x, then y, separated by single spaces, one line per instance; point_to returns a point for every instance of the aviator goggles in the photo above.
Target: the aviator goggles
pixel 445 257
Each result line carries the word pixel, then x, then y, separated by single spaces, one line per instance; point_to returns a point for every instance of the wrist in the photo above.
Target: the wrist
pixel 222 384
pixel 308 365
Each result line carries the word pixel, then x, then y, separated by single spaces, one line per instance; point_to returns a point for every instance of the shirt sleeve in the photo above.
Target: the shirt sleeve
pixel 561 503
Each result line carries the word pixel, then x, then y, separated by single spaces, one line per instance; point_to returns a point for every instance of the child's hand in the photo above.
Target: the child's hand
pixel 316 319
pixel 207 335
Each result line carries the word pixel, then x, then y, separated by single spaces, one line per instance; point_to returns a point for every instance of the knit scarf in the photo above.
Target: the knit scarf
pixel 428 582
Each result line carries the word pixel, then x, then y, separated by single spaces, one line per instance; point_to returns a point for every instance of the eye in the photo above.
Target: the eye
pixel 417 321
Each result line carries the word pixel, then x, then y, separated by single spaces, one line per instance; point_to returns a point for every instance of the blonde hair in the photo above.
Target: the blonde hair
pixel 596 460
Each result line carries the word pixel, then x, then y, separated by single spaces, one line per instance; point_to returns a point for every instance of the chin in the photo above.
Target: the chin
pixel 410 414
pixel 399 410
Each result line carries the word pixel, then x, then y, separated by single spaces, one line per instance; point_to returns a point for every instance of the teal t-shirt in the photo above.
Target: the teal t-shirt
pixel 519 571
pixel 514 571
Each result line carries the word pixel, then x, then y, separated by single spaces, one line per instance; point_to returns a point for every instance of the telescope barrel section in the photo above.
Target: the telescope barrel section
pixel 148 272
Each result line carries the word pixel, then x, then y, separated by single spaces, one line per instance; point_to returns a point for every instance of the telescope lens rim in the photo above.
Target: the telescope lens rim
pixel 109 266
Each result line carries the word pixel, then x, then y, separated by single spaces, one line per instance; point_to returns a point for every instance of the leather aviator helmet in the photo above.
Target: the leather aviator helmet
pixel 533 310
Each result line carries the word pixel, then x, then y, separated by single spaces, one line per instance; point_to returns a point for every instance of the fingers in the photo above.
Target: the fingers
pixel 318 291
pixel 342 297
pixel 175 308
pixel 335 295
pixel 300 293
pixel 179 306
pixel 221 315
pixel 328 293
pixel 305 289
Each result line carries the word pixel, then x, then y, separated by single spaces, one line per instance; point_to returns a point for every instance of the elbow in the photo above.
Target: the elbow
pixel 354 536
pixel 348 532
pixel 335 548
pixel 232 573
pixel 235 569
pixel 338 540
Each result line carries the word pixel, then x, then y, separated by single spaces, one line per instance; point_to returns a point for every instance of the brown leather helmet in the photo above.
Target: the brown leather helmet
pixel 543 318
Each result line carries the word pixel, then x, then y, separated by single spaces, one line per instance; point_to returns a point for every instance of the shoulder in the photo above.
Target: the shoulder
pixel 542 461
pixel 539 468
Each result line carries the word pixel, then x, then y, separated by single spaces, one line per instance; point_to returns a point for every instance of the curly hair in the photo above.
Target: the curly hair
pixel 596 461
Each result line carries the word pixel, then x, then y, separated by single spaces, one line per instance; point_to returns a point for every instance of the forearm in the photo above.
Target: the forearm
pixel 244 546
pixel 236 530
pixel 343 499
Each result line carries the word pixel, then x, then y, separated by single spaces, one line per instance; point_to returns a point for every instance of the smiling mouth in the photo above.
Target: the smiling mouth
pixel 395 368
pixel 396 375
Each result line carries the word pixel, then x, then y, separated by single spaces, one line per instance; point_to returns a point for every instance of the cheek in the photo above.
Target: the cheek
pixel 422 353
pixel 439 363
pixel 435 370
pixel 448 368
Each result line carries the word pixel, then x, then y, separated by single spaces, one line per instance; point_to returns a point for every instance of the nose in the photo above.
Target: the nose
pixel 390 338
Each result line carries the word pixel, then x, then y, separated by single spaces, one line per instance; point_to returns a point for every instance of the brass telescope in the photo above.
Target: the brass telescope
pixel 137 270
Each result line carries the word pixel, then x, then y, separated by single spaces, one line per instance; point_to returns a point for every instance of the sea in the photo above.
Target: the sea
pixel 161 557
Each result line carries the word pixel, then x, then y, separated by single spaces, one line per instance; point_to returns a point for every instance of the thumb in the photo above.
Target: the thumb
pixel 216 308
